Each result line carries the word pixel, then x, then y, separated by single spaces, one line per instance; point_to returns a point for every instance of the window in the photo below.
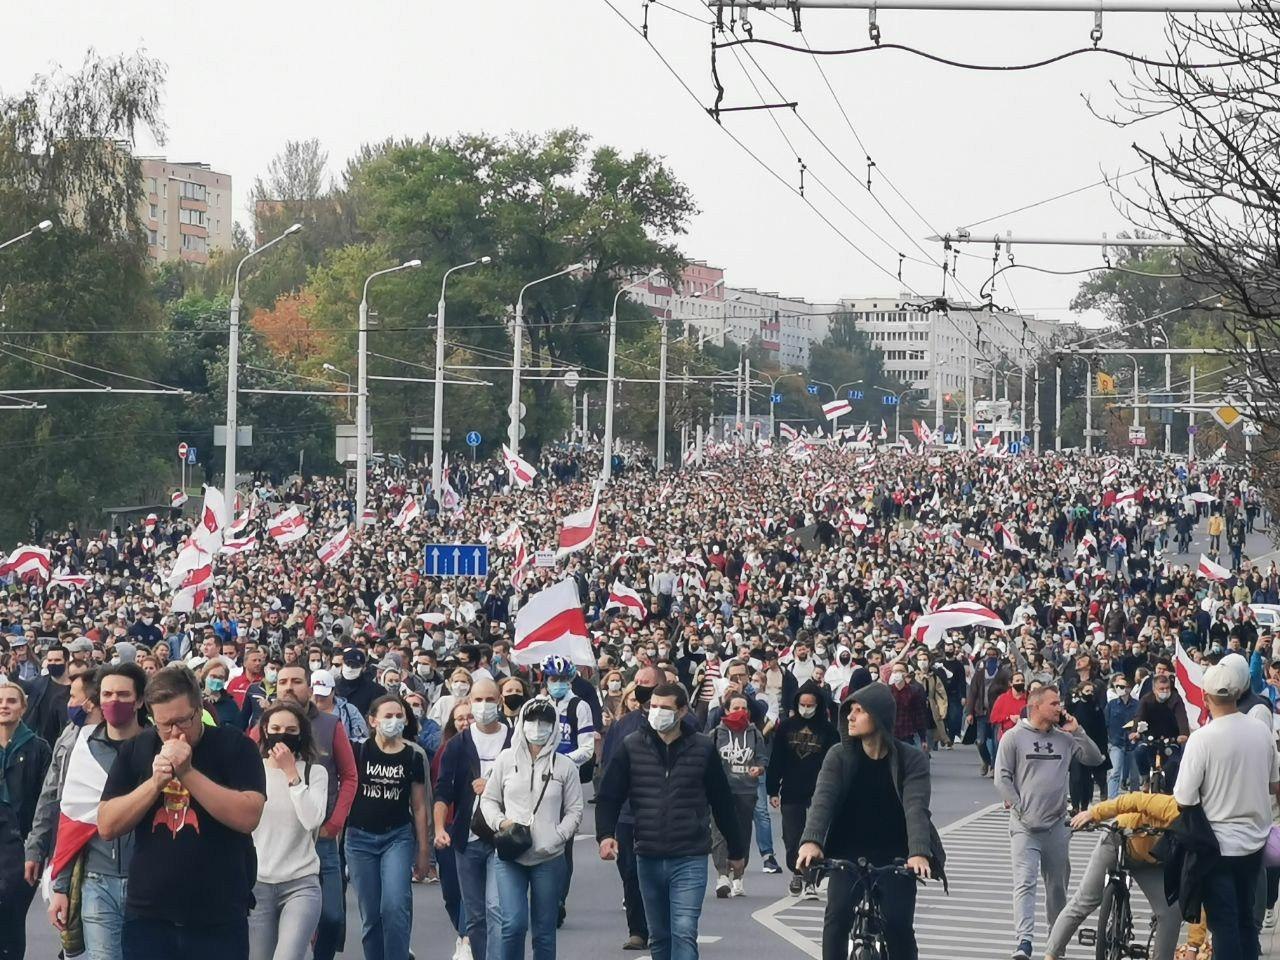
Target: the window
pixel 155 212
pixel 151 238
pixel 192 191
pixel 166 190
pixel 195 218
pixel 151 184
pixel 192 243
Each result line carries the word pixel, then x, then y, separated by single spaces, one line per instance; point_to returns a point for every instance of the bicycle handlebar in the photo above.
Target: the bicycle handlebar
pixel 1109 827
pixel 861 868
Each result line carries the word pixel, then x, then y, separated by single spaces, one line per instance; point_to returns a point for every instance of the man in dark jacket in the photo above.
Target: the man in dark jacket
pixel 47 695
pixel 800 744
pixel 675 783
pixel 872 801
pixel 1165 718
pixel 355 685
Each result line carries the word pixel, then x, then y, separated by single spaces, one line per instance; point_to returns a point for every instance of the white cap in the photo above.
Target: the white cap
pixel 1223 680
pixel 322 683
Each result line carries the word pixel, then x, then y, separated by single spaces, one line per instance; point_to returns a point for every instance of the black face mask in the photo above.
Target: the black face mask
pixel 292 741
pixel 643 695
pixel 514 701
pixel 56 669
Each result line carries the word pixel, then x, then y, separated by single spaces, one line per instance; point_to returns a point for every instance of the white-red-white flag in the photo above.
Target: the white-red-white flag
pixel 836 408
pixel 1212 571
pixel 641 543
pixel 578 530
pixel 930 628
pixel 213 519
pixel 335 548
pixel 864 435
pixel 787 432
pixel 288 526
pixel 622 597
pixel 177 499
pixel 239 545
pixel 522 470
pixel 991 448
pixel 1189 678
pixel 27 563
pixel 81 792
pixel 884 432
pixel 193 590
pixel 77 580
pixel 513 537
pixel 552 623
pixel 407 513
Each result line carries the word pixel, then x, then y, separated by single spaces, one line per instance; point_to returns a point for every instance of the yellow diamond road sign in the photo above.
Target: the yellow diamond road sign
pixel 1227 415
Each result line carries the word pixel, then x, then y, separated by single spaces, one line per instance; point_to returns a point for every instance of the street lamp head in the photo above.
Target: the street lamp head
pixel 294 229
pixel 573 267
pixel 412 263
pixel 44 226
pixel 486 259
pixel 331 368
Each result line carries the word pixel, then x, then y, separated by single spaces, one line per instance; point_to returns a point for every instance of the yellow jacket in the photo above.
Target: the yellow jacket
pixel 1133 810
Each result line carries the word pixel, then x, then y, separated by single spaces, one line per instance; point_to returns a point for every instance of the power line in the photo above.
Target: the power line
pixel 1060 196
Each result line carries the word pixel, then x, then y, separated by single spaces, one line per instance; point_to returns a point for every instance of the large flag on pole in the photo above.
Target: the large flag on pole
pixel 336 547
pixel 578 530
pixel 552 623
pixel 1189 678
pixel 407 513
pixel 836 408
pixel 1212 571
pixel 27 562
pixel 213 518
pixel 287 526
pixel 930 628
pixel 521 469
pixel 622 597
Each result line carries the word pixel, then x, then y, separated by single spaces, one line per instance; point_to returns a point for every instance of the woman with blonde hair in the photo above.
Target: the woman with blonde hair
pixel 220 706
pixel 459 689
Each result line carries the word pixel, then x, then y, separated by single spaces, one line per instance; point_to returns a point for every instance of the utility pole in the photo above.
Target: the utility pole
pixel 1191 416
pixel 1168 389
pixel 1088 407
pixel 968 395
pixel 746 392
pixel 1057 405
pixel 1135 404
pixel 1035 445
pixel 662 399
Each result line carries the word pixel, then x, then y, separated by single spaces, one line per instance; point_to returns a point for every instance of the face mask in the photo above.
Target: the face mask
pixel 215 684
pixel 559 689
pixel 538 732
pixel 615 686
pixel 820 651
pixel 351 673
pixel 808 712
pixel 1162 697
pixel 513 701
pixel 1019 687
pixel 56 669
pixel 118 714
pixel 270 676
pixel 643 694
pixel 424 670
pixel 1124 694
pixel 292 741
pixel 898 679
pixel 391 727
pixel 315 665
pixel 992 663
pixel 146 621
pixel 484 712
pixel 662 719
pixel 460 690
pixel 922 664
pixel 76 715
pixel 749 689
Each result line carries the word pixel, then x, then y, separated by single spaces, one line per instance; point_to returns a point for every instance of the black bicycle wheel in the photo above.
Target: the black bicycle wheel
pixel 864 943
pixel 1114 922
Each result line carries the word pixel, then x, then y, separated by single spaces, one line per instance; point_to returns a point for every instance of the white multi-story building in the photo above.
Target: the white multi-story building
pixel 696 301
pixel 928 351
pixel 791 326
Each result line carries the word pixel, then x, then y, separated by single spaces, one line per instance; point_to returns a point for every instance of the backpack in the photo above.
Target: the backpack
pixel 586 771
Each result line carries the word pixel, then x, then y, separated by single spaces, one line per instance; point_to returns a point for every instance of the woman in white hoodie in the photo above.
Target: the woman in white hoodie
pixel 532 784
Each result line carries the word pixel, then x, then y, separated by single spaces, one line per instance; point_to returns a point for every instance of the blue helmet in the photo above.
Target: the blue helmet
pixel 557 666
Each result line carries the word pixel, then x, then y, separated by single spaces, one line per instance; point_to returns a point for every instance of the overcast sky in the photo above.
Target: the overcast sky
pixel 961 146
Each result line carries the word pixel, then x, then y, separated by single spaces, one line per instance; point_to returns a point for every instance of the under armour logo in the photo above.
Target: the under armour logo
pixel 1042 747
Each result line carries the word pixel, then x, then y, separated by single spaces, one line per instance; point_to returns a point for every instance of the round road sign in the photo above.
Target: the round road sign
pixel 182 451
pixel 474 438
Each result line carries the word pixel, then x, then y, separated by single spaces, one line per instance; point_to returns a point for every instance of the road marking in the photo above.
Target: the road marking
pixel 978 913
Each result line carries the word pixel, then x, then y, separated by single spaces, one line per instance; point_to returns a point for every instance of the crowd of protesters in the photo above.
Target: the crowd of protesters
pixel 310 724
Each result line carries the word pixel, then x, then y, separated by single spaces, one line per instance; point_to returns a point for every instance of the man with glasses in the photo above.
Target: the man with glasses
pixel 193 795
pixel 1122 738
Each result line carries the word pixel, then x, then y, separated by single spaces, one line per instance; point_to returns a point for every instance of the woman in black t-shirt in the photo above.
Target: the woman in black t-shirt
pixel 387 828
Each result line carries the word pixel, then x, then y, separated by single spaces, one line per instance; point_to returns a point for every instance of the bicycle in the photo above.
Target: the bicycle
pixel 1114 935
pixel 1162 749
pixel 866 939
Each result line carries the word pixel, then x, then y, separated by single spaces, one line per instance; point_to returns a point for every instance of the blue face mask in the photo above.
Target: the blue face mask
pixel 559 689
pixel 750 689
pixel 77 715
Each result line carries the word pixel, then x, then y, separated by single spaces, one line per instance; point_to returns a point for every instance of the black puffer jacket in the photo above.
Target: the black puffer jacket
pixel 674 790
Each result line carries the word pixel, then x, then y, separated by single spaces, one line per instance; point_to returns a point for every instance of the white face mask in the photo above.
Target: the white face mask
pixel 391 727
pixel 484 712
pixel 662 719
pixel 538 732
pixel 315 665
pixel 898 679
pixel 460 690
pixel 808 712
pixel 351 673
pixel 1162 696
pixel 615 686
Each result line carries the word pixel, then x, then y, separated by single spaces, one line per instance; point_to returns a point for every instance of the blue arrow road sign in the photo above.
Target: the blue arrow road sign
pixel 812 389
pixel 191 454
pixel 856 394
pixel 1015 448
pixel 474 438
pixel 889 400
pixel 455 560
pixel 776 398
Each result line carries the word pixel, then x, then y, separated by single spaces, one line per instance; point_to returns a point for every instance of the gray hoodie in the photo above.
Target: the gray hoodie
pixel 1031 772
pixel 515 784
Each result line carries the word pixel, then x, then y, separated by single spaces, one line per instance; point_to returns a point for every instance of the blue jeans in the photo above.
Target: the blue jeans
pixel 381 865
pixel 528 899
pixel 1229 890
pixel 955 717
pixel 450 890
pixel 102 915
pixel 332 928
pixel 479 899
pixel 764 821
pixel 986 741
pixel 1124 770
pixel 672 889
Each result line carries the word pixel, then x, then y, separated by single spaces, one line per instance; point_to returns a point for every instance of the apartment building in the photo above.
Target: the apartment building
pixel 186 211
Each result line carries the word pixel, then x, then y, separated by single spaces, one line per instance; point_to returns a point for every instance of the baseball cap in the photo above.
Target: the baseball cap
pixel 81 645
pixel 322 683
pixel 353 657
pixel 1222 680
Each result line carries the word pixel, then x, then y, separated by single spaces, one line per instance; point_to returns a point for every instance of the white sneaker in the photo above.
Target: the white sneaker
pixel 1269 921
pixel 738 889
pixel 811 891
pixel 722 886
pixel 464 949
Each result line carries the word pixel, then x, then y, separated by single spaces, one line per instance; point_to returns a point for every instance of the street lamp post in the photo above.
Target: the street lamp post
pixel 1135 401
pixel 342 373
pixel 362 391
pixel 606 471
pixel 517 336
pixel 437 413
pixel 44 226
pixel 897 409
pixel 233 371
pixel 773 384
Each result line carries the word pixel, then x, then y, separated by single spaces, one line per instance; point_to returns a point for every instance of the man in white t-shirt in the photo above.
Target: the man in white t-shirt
pixel 1230 768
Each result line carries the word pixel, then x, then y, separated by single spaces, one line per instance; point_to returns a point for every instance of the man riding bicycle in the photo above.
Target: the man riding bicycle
pixel 1162 716
pixel 1130 811
pixel 871 802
